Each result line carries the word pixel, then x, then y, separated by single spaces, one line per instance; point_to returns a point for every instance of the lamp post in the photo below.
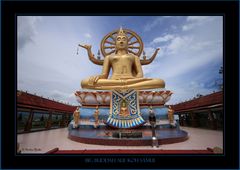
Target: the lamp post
pixel 152 121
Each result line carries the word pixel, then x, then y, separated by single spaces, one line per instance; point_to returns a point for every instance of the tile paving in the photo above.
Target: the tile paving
pixel 41 142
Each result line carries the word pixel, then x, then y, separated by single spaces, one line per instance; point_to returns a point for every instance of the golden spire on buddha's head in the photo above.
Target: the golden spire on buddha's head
pixel 121 32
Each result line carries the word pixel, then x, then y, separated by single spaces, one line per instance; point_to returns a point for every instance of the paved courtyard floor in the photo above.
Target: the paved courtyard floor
pixel 43 141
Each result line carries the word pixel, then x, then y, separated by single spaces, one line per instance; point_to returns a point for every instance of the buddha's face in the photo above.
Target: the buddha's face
pixel 121 42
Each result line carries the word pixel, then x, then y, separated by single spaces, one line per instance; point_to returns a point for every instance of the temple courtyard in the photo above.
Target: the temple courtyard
pixel 43 141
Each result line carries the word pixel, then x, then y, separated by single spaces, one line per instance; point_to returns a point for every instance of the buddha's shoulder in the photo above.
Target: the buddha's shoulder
pixel 113 56
pixel 133 55
pixel 110 56
pixel 130 54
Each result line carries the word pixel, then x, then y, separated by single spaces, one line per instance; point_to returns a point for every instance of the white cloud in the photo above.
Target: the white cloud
pixel 157 21
pixel 184 52
pixel 87 35
pixel 149 51
pixel 147 69
pixel 181 94
pixel 51 62
pixel 174 27
pixel 63 96
pixel 186 90
pixel 26 29
pixel 168 16
pixel 195 85
pixel 196 21
pixel 179 43
pixel 185 56
pixel 198 18
pixel 187 27
pixel 164 38
pixel 152 24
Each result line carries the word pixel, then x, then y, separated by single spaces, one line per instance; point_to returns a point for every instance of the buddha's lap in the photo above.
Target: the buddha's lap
pixel 112 82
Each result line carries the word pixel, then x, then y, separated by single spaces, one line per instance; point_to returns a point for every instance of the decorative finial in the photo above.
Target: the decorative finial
pixel 144 55
pixel 121 32
pixel 77 50
pixel 98 55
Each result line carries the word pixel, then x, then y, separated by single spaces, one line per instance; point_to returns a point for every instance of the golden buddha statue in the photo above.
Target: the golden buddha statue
pixel 124 110
pixel 170 114
pixel 96 113
pixel 76 115
pixel 126 68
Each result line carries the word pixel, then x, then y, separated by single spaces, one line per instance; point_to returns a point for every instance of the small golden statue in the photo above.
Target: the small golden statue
pixel 124 110
pixel 76 116
pixel 96 113
pixel 124 60
pixel 170 114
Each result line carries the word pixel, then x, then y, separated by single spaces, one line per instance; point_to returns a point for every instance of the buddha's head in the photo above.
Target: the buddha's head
pixel 121 40
pixel 124 104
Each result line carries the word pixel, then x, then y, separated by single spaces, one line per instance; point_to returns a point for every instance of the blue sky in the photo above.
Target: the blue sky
pixel 189 60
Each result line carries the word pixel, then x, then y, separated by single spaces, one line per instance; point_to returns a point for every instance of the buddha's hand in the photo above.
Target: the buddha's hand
pixel 87 47
pixel 93 79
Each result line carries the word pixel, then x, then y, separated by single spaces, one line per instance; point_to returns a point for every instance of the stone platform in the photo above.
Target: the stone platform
pixel 134 126
pixel 105 136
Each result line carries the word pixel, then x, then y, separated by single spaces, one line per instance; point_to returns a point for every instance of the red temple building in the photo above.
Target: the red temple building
pixel 36 113
pixel 203 112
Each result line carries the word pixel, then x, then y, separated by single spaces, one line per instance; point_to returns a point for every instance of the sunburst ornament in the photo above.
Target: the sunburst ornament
pixel 108 43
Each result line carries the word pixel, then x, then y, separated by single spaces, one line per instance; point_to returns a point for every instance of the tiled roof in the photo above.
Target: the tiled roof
pixel 36 102
pixel 201 102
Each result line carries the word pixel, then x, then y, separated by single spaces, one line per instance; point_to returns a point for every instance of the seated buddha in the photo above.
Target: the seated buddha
pixel 126 70
pixel 124 110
